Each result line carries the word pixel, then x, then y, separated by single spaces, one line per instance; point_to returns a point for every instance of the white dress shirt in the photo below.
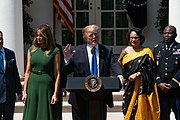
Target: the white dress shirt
pixel 90 55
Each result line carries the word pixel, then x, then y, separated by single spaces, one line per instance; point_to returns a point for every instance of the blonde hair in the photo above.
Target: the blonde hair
pixel 89 28
pixel 46 31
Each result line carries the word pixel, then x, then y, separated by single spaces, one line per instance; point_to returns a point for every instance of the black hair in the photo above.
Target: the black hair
pixel 1 32
pixel 138 31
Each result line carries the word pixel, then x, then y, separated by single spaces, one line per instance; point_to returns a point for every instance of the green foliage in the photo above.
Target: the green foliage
pixel 27 19
pixel 162 18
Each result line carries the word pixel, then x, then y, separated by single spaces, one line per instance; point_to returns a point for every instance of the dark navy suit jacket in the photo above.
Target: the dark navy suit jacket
pixel 9 80
pixel 79 65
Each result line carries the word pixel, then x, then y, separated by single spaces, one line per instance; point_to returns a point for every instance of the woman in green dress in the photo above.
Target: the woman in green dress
pixel 42 77
pixel 140 92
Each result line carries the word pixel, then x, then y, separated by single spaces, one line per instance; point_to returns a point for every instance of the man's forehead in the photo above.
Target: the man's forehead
pixel 169 29
pixel 92 32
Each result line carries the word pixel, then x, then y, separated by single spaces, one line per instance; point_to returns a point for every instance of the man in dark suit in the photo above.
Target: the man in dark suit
pixel 167 58
pixel 9 82
pixel 79 61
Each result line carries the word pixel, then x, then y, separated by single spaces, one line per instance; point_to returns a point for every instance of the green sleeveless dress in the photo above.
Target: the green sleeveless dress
pixel 40 88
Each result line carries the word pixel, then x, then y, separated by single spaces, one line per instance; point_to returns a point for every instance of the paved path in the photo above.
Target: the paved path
pixel 110 116
pixel 67 116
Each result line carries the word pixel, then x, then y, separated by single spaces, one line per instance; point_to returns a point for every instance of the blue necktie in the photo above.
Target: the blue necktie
pixel 1 62
pixel 94 62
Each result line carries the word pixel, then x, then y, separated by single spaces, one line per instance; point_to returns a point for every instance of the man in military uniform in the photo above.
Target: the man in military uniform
pixel 167 59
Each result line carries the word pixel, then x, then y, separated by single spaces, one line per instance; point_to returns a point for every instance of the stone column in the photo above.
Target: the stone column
pixel 11 25
pixel 174 16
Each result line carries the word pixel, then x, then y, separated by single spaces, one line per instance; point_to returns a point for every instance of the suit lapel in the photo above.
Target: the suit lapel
pixel 163 52
pixel 169 52
pixel 101 58
pixel 85 56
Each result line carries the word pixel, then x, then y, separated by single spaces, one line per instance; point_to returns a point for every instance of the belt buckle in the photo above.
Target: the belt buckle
pixel 39 72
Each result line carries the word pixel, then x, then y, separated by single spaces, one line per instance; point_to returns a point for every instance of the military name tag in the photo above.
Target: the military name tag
pixel 93 83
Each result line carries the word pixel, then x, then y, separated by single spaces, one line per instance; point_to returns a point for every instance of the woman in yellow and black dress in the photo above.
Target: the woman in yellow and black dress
pixel 140 96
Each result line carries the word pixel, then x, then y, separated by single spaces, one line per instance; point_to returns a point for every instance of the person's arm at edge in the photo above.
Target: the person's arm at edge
pixel 116 68
pixel 26 78
pixel 57 66
pixel 17 80
pixel 175 82
pixel 63 77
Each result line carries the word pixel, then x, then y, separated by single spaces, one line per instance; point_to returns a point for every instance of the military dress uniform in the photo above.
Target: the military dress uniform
pixel 167 59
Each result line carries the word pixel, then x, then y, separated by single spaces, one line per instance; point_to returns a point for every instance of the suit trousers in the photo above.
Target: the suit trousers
pixel 7 110
pixel 167 103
